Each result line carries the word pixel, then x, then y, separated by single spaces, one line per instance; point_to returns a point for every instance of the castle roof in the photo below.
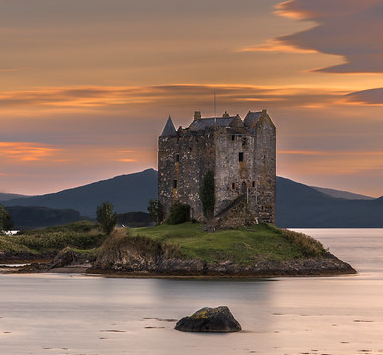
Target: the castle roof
pixel 169 129
pixel 204 123
pixel 252 118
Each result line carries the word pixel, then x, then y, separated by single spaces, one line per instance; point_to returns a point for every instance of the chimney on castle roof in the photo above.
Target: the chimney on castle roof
pixel 197 115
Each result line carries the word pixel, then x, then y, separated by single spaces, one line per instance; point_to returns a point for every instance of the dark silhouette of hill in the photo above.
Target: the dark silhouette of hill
pixel 342 194
pixel 6 197
pixel 298 205
pixel 38 217
pixel 127 193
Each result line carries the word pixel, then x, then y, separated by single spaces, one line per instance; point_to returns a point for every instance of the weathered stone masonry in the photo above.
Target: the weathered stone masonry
pixel 241 153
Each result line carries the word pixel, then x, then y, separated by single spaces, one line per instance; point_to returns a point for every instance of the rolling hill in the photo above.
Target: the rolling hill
pixel 342 194
pixel 7 197
pixel 298 205
pixel 128 193
pixel 301 206
pixel 24 217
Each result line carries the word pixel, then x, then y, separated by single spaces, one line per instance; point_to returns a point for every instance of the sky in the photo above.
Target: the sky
pixel 86 86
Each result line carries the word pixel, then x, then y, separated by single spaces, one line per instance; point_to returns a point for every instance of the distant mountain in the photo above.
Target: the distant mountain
pixel 342 194
pixel 298 205
pixel 128 193
pixel 6 197
pixel 302 206
pixel 37 217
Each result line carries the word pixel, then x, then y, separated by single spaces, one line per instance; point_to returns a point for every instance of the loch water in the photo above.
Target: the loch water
pixel 74 314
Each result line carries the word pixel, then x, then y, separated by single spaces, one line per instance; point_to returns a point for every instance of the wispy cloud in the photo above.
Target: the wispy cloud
pixel 103 96
pixel 127 160
pixel 10 70
pixel 373 97
pixel 334 162
pixel 25 151
pixel 346 28
pixel 275 45
pixel 302 152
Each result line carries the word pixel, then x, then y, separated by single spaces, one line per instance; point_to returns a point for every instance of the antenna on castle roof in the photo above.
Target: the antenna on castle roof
pixel 215 109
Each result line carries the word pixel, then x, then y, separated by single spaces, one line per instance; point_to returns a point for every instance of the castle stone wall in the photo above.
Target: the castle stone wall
pixel 195 158
pixel 241 155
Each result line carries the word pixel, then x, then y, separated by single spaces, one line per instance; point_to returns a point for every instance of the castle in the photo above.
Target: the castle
pixel 240 153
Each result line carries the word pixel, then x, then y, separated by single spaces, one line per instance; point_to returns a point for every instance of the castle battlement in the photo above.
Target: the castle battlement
pixel 240 153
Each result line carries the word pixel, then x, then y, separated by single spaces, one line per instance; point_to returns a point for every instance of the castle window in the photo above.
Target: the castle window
pixel 233 185
pixel 240 156
pixel 233 137
pixel 174 184
pixel 253 184
pixel 177 158
pixel 244 142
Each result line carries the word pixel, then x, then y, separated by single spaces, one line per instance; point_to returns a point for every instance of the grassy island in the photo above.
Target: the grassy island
pixel 188 250
pixel 242 246
pixel 174 250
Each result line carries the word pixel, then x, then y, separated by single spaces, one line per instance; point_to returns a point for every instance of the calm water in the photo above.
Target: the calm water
pixel 71 314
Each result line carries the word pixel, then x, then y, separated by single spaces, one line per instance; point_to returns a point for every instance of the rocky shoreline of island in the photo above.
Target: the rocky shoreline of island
pixel 327 266
pixel 181 268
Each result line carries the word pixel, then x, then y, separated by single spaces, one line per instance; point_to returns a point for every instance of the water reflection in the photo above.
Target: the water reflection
pixel 63 314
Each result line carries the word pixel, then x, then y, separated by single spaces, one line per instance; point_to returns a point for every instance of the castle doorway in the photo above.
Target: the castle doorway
pixel 243 188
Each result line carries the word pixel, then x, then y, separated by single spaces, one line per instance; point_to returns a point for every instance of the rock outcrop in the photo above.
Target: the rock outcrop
pixel 207 319
pixel 67 257
pixel 132 258
pixel 64 258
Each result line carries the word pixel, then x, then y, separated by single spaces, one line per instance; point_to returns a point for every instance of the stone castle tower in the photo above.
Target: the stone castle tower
pixel 240 153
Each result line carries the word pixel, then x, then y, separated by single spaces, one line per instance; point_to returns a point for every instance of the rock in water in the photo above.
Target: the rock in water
pixel 207 319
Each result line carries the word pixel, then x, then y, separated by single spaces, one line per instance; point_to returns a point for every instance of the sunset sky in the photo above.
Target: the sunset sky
pixel 86 86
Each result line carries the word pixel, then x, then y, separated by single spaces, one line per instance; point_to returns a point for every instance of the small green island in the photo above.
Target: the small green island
pixel 182 250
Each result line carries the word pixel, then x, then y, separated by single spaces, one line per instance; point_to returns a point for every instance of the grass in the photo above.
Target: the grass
pixel 7 244
pixel 82 235
pixel 242 246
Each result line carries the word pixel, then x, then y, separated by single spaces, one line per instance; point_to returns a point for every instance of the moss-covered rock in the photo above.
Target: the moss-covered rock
pixel 207 319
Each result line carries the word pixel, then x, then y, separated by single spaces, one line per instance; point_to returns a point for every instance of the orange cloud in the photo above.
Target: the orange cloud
pixel 275 45
pixel 95 97
pixel 302 152
pixel 25 151
pixel 126 160
pixel 9 70
pixel 286 9
pixel 333 162
pixel 345 29
pixel 372 97
pixel 319 9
